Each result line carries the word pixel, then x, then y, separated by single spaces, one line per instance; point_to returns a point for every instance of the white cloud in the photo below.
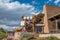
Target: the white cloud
pixel 35 2
pixel 17 7
pixel 14 5
pixel 7 22
pixel 13 11
pixel 7 27
pixel 57 1
pixel 47 1
pixel 5 1
pixel 35 13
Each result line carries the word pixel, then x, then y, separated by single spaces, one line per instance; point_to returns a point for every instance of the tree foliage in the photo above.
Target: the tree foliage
pixel 2 34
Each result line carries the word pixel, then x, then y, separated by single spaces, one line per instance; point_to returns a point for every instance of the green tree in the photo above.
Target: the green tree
pixel 2 34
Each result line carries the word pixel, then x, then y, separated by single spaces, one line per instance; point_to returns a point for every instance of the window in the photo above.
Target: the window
pixel 58 25
pixel 38 29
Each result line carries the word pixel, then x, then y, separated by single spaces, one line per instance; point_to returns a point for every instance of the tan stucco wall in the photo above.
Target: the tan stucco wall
pixel 46 29
pixel 48 12
pixel 52 10
pixel 52 25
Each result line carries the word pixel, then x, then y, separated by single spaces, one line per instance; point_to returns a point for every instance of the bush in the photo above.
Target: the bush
pixel 2 34
pixel 40 38
pixel 26 36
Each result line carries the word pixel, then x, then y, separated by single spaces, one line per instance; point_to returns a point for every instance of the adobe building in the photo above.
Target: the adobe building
pixel 51 19
pixel 47 22
pixel 33 23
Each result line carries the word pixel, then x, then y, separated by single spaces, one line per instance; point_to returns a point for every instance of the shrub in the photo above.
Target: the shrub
pixel 2 34
pixel 40 38
pixel 26 36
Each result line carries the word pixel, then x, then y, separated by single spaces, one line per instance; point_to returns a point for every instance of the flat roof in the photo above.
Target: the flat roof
pixel 54 15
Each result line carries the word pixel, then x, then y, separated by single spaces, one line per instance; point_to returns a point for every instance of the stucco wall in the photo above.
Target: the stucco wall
pixel 48 12
pixel 52 10
pixel 46 28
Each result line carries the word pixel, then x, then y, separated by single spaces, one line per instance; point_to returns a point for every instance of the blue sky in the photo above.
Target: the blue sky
pixel 12 10
pixel 38 4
